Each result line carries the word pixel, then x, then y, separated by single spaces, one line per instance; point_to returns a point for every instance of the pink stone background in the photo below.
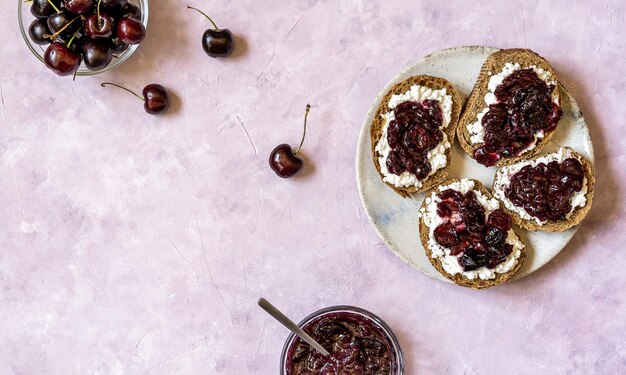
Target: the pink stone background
pixel 139 244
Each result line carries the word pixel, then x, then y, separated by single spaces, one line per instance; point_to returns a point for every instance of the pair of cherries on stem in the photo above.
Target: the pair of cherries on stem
pixel 156 99
pixel 283 160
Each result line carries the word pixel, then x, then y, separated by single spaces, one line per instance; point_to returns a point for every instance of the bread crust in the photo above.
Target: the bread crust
pixel 557 226
pixel 475 103
pixel 460 279
pixel 378 124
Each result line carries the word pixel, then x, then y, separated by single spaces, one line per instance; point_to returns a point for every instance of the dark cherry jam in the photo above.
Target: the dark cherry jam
pixel 480 240
pixel 415 131
pixel 545 190
pixel 356 344
pixel 524 108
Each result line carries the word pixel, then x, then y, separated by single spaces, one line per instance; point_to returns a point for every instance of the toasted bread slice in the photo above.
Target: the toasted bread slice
pixel 577 215
pixel 476 101
pixel 459 278
pixel 378 126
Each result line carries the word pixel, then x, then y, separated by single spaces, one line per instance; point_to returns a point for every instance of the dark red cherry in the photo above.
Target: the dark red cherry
pixel 283 160
pixel 486 158
pixel 216 42
pixel 155 97
pixel 61 59
pixel 97 53
pixel 79 6
pixel 130 31
pixel 63 23
pixel 99 26
pixel 37 31
pixel 445 235
pixel 500 219
pixel 44 8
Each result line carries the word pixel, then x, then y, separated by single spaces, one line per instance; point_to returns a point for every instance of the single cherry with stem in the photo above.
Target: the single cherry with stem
pixel 155 97
pixel 216 42
pixel 99 24
pixel 283 160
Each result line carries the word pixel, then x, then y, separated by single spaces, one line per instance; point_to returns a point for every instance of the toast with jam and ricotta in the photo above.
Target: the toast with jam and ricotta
pixel 413 131
pixel 467 237
pixel 551 192
pixel 513 109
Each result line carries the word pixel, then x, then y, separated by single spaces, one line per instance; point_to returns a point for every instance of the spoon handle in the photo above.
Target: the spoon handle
pixel 293 327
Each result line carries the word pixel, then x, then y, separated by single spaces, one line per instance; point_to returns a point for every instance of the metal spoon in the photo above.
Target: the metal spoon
pixel 293 327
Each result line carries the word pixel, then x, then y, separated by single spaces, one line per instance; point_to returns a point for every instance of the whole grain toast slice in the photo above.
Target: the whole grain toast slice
pixel 557 226
pixel 476 101
pixel 460 279
pixel 376 130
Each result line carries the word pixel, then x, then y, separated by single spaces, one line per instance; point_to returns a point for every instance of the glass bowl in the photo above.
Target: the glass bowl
pixel 397 362
pixel 25 18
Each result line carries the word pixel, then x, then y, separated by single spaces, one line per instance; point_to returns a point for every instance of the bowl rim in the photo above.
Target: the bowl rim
pixel 82 71
pixel 397 349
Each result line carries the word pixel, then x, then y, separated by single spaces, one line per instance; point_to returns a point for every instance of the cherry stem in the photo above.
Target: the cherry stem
pixel 306 114
pixel 123 88
pixel 204 14
pixel 71 40
pixel 63 28
pixel 98 13
pixel 54 6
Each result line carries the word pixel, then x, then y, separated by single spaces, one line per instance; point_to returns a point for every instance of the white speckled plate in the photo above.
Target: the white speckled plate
pixel 395 218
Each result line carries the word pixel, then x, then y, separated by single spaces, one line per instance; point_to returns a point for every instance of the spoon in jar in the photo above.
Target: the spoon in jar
pixel 293 327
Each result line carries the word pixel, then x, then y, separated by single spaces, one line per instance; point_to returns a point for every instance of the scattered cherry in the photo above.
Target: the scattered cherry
pixel 38 30
pixel 283 160
pixel 61 60
pixel 216 42
pixel 130 31
pixel 155 97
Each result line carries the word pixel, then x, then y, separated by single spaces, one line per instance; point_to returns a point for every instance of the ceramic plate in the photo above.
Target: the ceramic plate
pixel 395 218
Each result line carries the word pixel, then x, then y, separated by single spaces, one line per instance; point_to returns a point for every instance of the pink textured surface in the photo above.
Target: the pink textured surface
pixel 139 244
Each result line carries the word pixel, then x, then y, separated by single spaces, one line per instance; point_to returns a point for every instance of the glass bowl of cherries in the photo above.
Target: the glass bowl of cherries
pixel 82 37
